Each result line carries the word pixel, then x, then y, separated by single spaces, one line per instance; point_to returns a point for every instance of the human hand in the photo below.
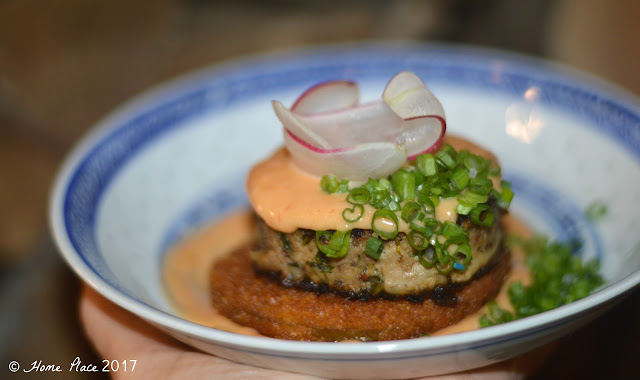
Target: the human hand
pixel 119 335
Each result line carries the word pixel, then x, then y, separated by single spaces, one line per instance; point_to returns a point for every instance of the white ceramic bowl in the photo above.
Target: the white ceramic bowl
pixel 176 157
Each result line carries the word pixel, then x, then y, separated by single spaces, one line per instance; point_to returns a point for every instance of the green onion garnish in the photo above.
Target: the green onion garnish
pixel 428 257
pixel 480 186
pixel 381 198
pixel 403 184
pixel 385 224
pixel 596 211
pixel 444 268
pixel 410 211
pixel 322 240
pixel 482 215
pixel 460 178
pixel 454 233
pixel 412 194
pixel 353 214
pixel 359 195
pixel 506 195
pixel 559 277
pixel 462 256
pixel 330 184
pixel 333 245
pixel 417 241
pixel 464 206
pixel 426 164
pixel 373 248
pixel 422 229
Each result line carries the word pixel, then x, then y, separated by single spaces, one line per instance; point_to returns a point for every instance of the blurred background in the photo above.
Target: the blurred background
pixel 66 63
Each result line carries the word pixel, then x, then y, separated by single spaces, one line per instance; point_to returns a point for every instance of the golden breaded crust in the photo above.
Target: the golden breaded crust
pixel 256 301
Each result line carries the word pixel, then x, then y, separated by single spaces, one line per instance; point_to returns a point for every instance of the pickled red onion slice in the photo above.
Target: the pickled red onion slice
pixel 326 97
pixel 358 163
pixel 327 132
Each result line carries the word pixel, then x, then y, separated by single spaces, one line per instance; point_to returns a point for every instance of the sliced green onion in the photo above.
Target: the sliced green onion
pixel 506 196
pixel 494 171
pixel 482 215
pixel 450 151
pixel 453 233
pixel 475 198
pixel 426 164
pixel 340 242
pixel 428 257
pixel 480 185
pixel 371 185
pixel 425 262
pixel 418 178
pixel 432 223
pixel 596 211
pixel 417 241
pixel 336 240
pixel 462 255
pixel 322 241
pixel 393 206
pixel 445 160
pixel 410 211
pixel 329 184
pixel 380 198
pixel 427 200
pixel 333 245
pixel 435 191
pixel 373 248
pixel 403 183
pixel 471 161
pixel 442 255
pixel 388 219
pixel 460 178
pixel 444 268
pixel 464 206
pixel 426 231
pixel 353 214
pixel 343 186
pixel 359 195
pixel 384 183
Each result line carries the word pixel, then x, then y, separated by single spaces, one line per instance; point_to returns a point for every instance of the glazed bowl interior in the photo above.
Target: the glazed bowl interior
pixel 175 159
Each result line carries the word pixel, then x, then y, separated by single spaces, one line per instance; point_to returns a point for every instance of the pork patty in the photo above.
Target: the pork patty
pixel 294 259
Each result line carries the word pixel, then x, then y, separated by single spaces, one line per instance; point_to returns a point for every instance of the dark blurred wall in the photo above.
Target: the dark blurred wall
pixel 66 63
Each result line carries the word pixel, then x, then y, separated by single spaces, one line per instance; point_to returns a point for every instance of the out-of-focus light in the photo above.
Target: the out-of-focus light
pixel 523 121
pixel 532 94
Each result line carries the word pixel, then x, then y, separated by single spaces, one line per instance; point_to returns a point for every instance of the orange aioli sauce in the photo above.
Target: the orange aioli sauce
pixel 287 198
pixel 187 266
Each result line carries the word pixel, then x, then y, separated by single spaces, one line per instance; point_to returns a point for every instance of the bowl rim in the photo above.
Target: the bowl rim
pixel 436 345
